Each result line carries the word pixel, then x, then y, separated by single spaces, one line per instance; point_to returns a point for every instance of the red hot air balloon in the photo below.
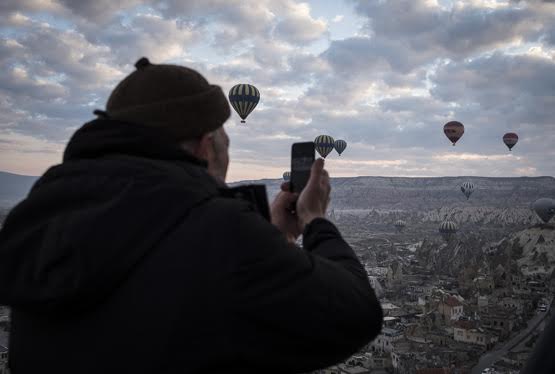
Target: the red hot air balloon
pixel 510 139
pixel 453 130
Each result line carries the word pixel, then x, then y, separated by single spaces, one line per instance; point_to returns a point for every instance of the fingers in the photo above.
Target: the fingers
pixel 325 179
pixel 285 187
pixel 325 182
pixel 284 198
pixel 316 172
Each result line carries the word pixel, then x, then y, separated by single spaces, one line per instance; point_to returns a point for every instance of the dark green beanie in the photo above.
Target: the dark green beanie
pixel 174 98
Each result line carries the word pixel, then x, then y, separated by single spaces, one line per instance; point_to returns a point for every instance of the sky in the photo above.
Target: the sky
pixel 385 76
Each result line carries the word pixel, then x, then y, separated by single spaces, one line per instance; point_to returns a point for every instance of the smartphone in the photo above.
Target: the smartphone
pixel 302 158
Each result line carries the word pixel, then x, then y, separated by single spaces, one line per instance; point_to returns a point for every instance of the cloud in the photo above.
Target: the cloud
pixel 9 6
pixel 473 157
pixel 425 31
pixel 98 11
pixel 297 25
pixel 387 90
pixel 25 154
pixel 518 88
pixel 338 18
pixel 146 35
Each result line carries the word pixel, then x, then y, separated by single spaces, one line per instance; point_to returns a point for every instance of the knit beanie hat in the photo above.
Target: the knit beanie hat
pixel 174 98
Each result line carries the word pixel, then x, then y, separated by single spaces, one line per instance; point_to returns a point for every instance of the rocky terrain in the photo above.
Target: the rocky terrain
pixel 497 215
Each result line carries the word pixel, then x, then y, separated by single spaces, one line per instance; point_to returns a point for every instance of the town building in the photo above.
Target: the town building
pixel 469 332
pixel 450 308
pixel 384 341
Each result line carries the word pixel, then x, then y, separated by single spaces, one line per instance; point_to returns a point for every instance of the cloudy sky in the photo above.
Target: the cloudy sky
pixel 383 75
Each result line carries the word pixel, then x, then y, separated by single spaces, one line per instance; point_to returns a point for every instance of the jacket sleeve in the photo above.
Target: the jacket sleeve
pixel 542 360
pixel 299 309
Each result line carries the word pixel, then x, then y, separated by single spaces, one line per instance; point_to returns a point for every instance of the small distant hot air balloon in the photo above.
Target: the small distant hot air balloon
pixel 544 208
pixel 510 139
pixel 340 146
pixel 286 176
pixel 448 229
pixel 453 130
pixel 467 188
pixel 400 225
pixel 244 98
pixel 324 144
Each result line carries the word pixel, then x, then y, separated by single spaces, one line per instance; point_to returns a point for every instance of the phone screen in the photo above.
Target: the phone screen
pixel 302 157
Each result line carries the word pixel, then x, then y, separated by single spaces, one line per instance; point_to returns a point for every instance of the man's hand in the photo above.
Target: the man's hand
pixel 311 204
pixel 282 216
pixel 315 197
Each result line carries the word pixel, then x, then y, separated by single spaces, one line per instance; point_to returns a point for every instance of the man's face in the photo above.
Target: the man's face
pixel 218 156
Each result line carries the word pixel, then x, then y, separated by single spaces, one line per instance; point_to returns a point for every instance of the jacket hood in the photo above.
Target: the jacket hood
pixel 88 222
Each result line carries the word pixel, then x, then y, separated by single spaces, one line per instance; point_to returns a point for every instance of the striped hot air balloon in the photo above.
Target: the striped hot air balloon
pixel 448 229
pixel 400 225
pixel 454 130
pixel 544 208
pixel 286 176
pixel 324 144
pixel 340 146
pixel 510 139
pixel 467 188
pixel 244 98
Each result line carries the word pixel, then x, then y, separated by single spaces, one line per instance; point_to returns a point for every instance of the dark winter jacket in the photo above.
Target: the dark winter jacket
pixel 129 258
pixel 542 359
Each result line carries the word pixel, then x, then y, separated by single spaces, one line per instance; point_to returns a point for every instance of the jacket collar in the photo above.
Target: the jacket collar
pixel 103 137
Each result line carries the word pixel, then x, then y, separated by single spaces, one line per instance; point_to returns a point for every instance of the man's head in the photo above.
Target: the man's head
pixel 181 103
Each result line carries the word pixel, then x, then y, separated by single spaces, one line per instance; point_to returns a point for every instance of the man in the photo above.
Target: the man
pixel 132 256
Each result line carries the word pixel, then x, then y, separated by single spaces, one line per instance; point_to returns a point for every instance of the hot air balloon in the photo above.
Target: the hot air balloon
pixel 243 98
pixel 510 139
pixel 324 145
pixel 286 176
pixel 453 130
pixel 400 225
pixel 467 188
pixel 448 229
pixel 544 208
pixel 340 146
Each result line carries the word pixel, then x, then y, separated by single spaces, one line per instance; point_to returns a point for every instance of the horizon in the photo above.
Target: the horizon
pixel 356 176
pixel 384 76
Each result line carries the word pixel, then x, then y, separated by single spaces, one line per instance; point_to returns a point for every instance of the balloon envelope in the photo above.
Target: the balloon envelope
pixel 400 225
pixel 286 176
pixel 510 139
pixel 467 188
pixel 448 229
pixel 544 208
pixel 453 130
pixel 340 146
pixel 244 98
pixel 324 144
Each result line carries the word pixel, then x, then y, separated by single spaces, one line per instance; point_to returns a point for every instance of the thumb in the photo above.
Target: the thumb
pixel 316 172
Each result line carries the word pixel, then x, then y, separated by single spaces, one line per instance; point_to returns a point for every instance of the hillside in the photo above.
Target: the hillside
pixel 13 188
pixel 495 200
pixel 501 200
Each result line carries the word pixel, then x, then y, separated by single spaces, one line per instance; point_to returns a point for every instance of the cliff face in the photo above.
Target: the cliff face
pixel 451 258
pixel 537 248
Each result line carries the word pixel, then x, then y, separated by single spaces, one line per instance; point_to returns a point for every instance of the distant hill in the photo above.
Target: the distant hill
pixel 428 198
pixel 414 194
pixel 13 188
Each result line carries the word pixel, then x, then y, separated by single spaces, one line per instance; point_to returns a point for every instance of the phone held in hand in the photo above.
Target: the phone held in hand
pixel 302 157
